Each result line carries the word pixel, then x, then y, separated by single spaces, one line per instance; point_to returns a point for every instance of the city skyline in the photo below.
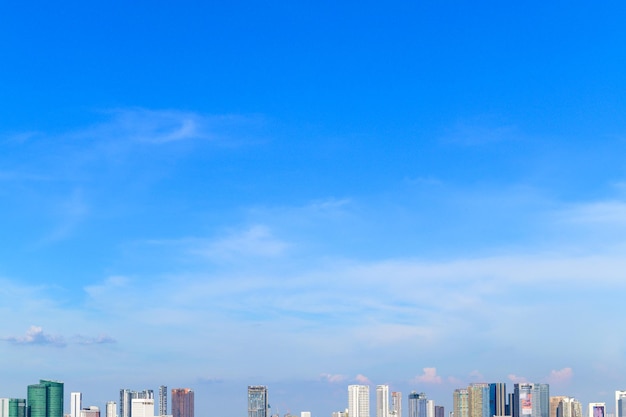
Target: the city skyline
pixel 314 194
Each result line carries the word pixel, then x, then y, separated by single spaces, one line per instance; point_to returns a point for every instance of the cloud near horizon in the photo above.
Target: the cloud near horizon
pixel 428 377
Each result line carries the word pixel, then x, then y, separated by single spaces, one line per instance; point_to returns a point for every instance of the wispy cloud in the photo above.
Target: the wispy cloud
pixel 256 241
pixel 334 378
pixel 560 376
pixel 89 340
pixel 362 379
pixel 36 336
pixel 516 379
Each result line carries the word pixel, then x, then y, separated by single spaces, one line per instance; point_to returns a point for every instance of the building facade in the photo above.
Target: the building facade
pixel 396 404
pixel 460 403
pixel 162 400
pixel 182 402
pixel 358 401
pixel 382 401
pixel 257 401
pixel 45 399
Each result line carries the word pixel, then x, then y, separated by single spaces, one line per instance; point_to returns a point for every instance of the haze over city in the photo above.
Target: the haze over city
pixel 308 195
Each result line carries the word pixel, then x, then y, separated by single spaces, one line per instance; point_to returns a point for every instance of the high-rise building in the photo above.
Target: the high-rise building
pixel 554 404
pixel 111 409
pixel 45 399
pixel 257 401
pixel 382 401
pixel 12 407
pixel 182 402
pixel 497 399
pixel 478 398
pixel 460 403
pixel 439 411
pixel 569 407
pixel 531 400
pixel 127 396
pixel 396 404
pixel 417 404
pixel 162 400
pixel 618 411
pixel 430 408
pixel 358 401
pixel 597 410
pixel 142 407
pixel 76 404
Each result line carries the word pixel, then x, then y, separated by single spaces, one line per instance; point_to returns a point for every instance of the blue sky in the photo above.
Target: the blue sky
pixel 312 194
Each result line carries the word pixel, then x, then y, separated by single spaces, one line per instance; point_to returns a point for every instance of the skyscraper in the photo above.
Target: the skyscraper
pixel 382 401
pixel 257 401
pixel 358 401
pixel 478 397
pixel 417 404
pixel 396 404
pixel 45 399
pixel 182 402
pixel 554 404
pixel 460 403
pixel 618 410
pixel 497 399
pixel 531 400
pixel 162 400
pixel 76 404
pixel 127 396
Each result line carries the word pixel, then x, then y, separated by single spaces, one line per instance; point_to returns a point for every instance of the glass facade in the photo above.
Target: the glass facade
pixel 45 399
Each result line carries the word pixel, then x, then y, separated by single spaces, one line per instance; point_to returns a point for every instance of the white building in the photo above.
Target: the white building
pixel 358 401
pixel 597 410
pixel 111 410
pixel 396 404
pixel 382 401
pixel 142 407
pixel 76 404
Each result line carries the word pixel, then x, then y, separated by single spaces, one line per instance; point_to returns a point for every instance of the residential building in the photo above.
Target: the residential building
pixel 478 400
pixel 358 401
pixel 554 404
pixel 111 409
pixel 76 404
pixel 162 400
pixel 382 401
pixel 182 402
pixel 531 400
pixel 257 401
pixel 127 396
pixel 460 402
pixel 396 404
pixel 618 410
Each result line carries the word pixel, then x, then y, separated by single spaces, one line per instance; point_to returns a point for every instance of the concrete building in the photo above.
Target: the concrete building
pixel 162 400
pixel 597 410
pixel 76 404
pixel 182 402
pixel 460 403
pixel 111 409
pixel 91 411
pixel 257 401
pixel 142 407
pixel 396 404
pixel 382 401
pixel 358 401
pixel 478 400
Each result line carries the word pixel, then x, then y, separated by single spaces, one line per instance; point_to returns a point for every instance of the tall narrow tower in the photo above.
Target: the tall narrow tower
pixel 382 401
pixel 76 404
pixel 162 400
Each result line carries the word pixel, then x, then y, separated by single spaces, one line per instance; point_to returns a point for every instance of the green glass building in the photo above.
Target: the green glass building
pixel 45 399
pixel 17 407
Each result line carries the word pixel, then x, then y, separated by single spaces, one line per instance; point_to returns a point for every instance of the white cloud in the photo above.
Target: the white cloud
pixel 428 377
pixel 36 336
